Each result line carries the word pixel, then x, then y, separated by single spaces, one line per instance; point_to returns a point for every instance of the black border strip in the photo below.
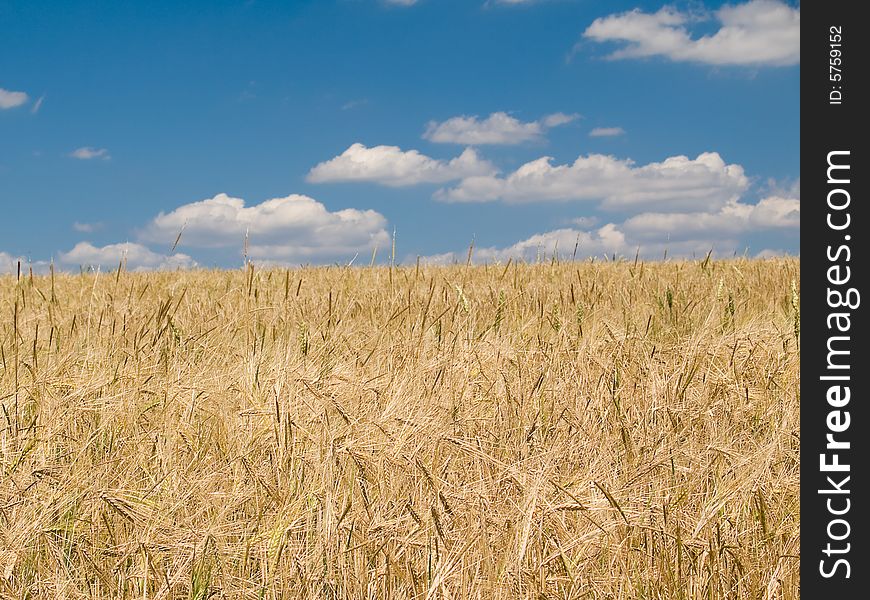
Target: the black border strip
pixel 834 497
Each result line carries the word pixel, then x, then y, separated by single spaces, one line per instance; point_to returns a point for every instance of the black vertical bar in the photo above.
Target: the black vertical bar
pixel 834 399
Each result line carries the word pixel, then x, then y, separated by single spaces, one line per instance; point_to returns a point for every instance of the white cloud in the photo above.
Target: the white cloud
pixel 652 235
pixel 585 222
pixel 771 253
pixel 559 118
pixel 770 212
pixel 88 153
pixel 136 257
pixel 756 33
pixel 284 229
pixel 605 240
pixel 788 188
pixel 677 183
pixel 9 263
pixel 86 227
pixel 498 128
pixel 37 105
pixel 390 165
pixel 606 131
pixel 9 99
pixel 401 2
pixel 734 218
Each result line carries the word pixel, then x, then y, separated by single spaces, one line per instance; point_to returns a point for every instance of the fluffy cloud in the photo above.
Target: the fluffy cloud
pixel 88 153
pixel 498 128
pixel 677 183
pixel 9 263
pixel 390 165
pixel 283 229
pixel 609 240
pixel 790 188
pixel 605 240
pixel 734 218
pixel 9 99
pixel 652 235
pixel 606 131
pixel 757 33
pixel 136 257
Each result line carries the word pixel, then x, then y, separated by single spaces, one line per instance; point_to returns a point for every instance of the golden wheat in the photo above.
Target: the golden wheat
pixel 574 430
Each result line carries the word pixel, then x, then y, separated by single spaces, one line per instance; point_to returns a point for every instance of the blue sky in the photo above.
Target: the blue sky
pixel 318 128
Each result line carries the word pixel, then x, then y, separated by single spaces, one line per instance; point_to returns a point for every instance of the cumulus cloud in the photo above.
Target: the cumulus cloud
pixel 608 240
pixel 756 33
pixel 10 99
pixel 88 153
pixel 292 228
pixel 677 183
pixel 9 263
pixel 605 240
pixel 498 129
pixel 734 218
pixel 606 131
pixel 136 257
pixel 789 188
pixel 652 235
pixel 391 166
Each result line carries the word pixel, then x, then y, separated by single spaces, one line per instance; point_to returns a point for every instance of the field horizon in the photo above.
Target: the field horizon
pixel 624 429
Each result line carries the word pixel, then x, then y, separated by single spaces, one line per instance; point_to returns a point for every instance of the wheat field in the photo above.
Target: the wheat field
pixel 612 430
